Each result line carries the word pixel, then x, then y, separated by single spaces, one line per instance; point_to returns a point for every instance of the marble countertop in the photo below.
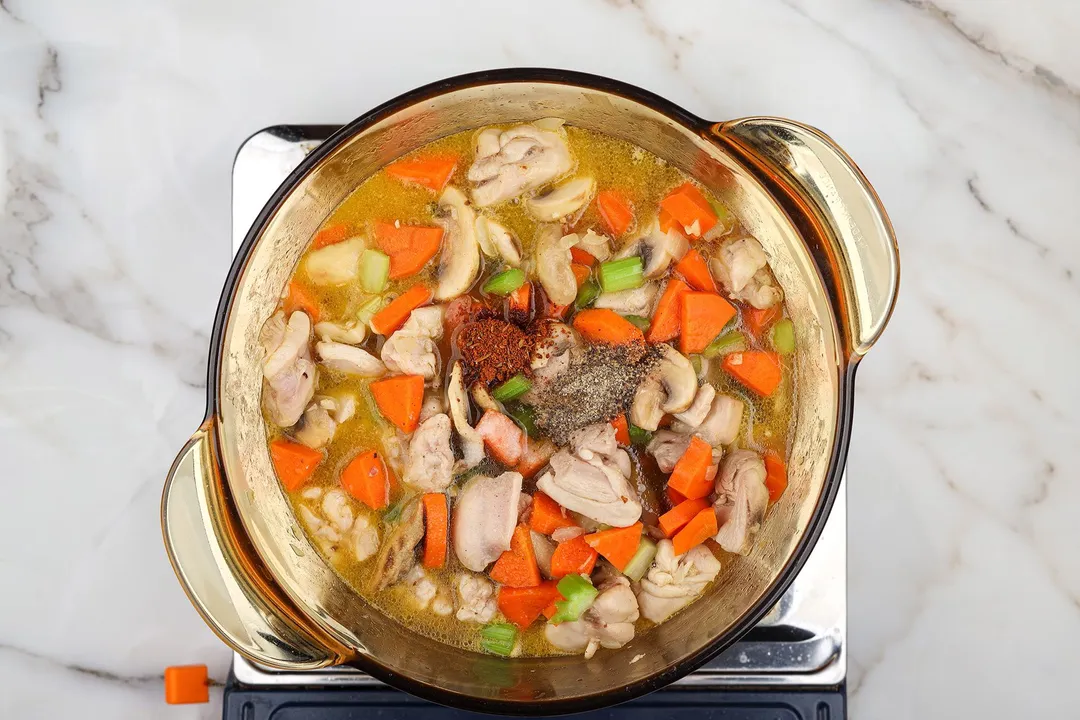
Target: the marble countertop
pixel 118 124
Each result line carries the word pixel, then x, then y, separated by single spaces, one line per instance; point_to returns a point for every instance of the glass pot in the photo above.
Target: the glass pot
pixel 230 531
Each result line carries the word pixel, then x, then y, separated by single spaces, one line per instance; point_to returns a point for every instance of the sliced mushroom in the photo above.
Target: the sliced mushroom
pixel 695 414
pixel 496 241
pixel 668 389
pixel 565 199
pixel 553 262
pixel 595 244
pixel 335 264
pixel 472 445
pixel 460 261
pixel 398 552
pixel 645 410
pixel 657 249
pixel 350 332
pixel 484 400
pixel 349 359
pixel 637 301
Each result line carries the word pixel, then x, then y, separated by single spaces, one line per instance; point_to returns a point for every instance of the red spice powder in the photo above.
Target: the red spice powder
pixel 493 351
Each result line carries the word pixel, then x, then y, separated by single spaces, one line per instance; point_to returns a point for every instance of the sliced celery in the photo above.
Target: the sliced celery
pixel 374 270
pixel 512 388
pixel 639 322
pixel 642 560
pixel 729 342
pixel 498 638
pixel 505 282
pixel 579 594
pixel 783 336
pixel 625 274
pixel 587 294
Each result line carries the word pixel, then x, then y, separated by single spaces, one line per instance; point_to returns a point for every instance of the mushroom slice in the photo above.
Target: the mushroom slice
pixel 679 379
pixel 645 410
pixel 472 445
pixel 553 262
pixel 496 241
pixel 335 264
pixel 636 301
pixel 565 199
pixel 657 249
pixel 350 332
pixel 349 360
pixel 595 244
pixel 460 261
pixel 699 409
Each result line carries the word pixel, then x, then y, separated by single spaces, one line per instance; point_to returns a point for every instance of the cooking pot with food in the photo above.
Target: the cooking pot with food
pixel 762 221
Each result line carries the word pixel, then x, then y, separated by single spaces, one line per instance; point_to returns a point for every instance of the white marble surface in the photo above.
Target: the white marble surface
pixel 118 123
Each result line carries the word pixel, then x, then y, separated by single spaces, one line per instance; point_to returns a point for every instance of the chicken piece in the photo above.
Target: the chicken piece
pixel 430 466
pixel 742 268
pixel 472 445
pixel 476 599
pixel 432 406
pixel 349 359
pixel 459 263
pixel 741 501
pixel 720 426
pixel 657 249
pixel 338 510
pixel 350 332
pixel 553 261
pixel 552 354
pixel 365 536
pixel 514 161
pixel 412 350
pixel 289 375
pixel 596 488
pixel 608 623
pixel 485 515
pixel 335 264
pixel 638 301
pixel 428 592
pixel 316 428
pixel 674 581
pixel 595 244
pixel 398 552
pixel 667 447
pixel 695 414
pixel 597 441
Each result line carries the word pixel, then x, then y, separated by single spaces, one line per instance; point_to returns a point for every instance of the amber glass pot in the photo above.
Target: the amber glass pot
pixel 231 534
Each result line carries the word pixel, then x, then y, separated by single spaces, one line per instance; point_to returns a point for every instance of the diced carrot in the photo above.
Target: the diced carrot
pixel 618 545
pixel 775 475
pixel 756 369
pixel 547 515
pixel 550 610
pixel 688 476
pixel 696 271
pixel 615 210
pixel 410 247
pixel 674 496
pixel 394 315
pixel 185 684
pixel 673 520
pixel 520 298
pixel 504 439
pixel 581 273
pixel 436 529
pixel 299 299
pixel 688 207
pixel 366 479
pixel 622 429
pixel 573 556
pixel 667 222
pixel 581 257
pixel 517 566
pixel 758 321
pixel 606 326
pixel 700 528
pixel 665 320
pixel 522 606
pixel 536 457
pixel 431 172
pixel 704 316
pixel 293 462
pixel 330 235
pixel 399 399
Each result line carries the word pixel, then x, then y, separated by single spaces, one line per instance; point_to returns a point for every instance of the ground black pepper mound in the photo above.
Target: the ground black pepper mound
pixel 493 351
pixel 599 384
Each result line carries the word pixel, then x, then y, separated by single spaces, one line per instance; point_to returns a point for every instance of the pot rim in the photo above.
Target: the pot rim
pixel 814 527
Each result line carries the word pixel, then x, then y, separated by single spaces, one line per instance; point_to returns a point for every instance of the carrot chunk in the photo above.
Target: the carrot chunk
pixel 689 208
pixel 394 315
pixel 522 606
pixel 622 429
pixel 293 462
pixel 430 172
pixel 399 399
pixel 758 321
pixel 606 326
pixel 775 476
pixel 436 529
pixel 581 273
pixel 520 298
pixel 536 457
pixel 698 530
pixel 410 247
pixel 517 566
pixel 696 271
pixel 367 480
pixel 756 369
pixel 502 436
pixel 665 320
pixel 689 474
pixel 618 545
pixel 673 520
pixel 581 257
pixel 704 316
pixel 300 299
pixel 330 235
pixel 547 515
pixel 573 556
pixel 188 684
pixel 615 211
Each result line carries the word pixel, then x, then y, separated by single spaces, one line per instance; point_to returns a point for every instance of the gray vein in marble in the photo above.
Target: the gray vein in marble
pixel 48 78
pixel 1040 73
pixel 9 12
pixel 107 676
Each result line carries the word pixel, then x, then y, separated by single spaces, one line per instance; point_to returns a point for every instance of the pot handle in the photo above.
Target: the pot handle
pixel 243 609
pixel 833 194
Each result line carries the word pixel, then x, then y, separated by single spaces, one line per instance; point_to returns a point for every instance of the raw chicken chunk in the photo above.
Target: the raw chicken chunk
pixel 675 580
pixel 608 623
pixel 743 269
pixel 485 514
pixel 430 464
pixel 287 368
pixel 514 161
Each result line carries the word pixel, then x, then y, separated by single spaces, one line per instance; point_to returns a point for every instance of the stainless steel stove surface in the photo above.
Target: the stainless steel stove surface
pixel 800 644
